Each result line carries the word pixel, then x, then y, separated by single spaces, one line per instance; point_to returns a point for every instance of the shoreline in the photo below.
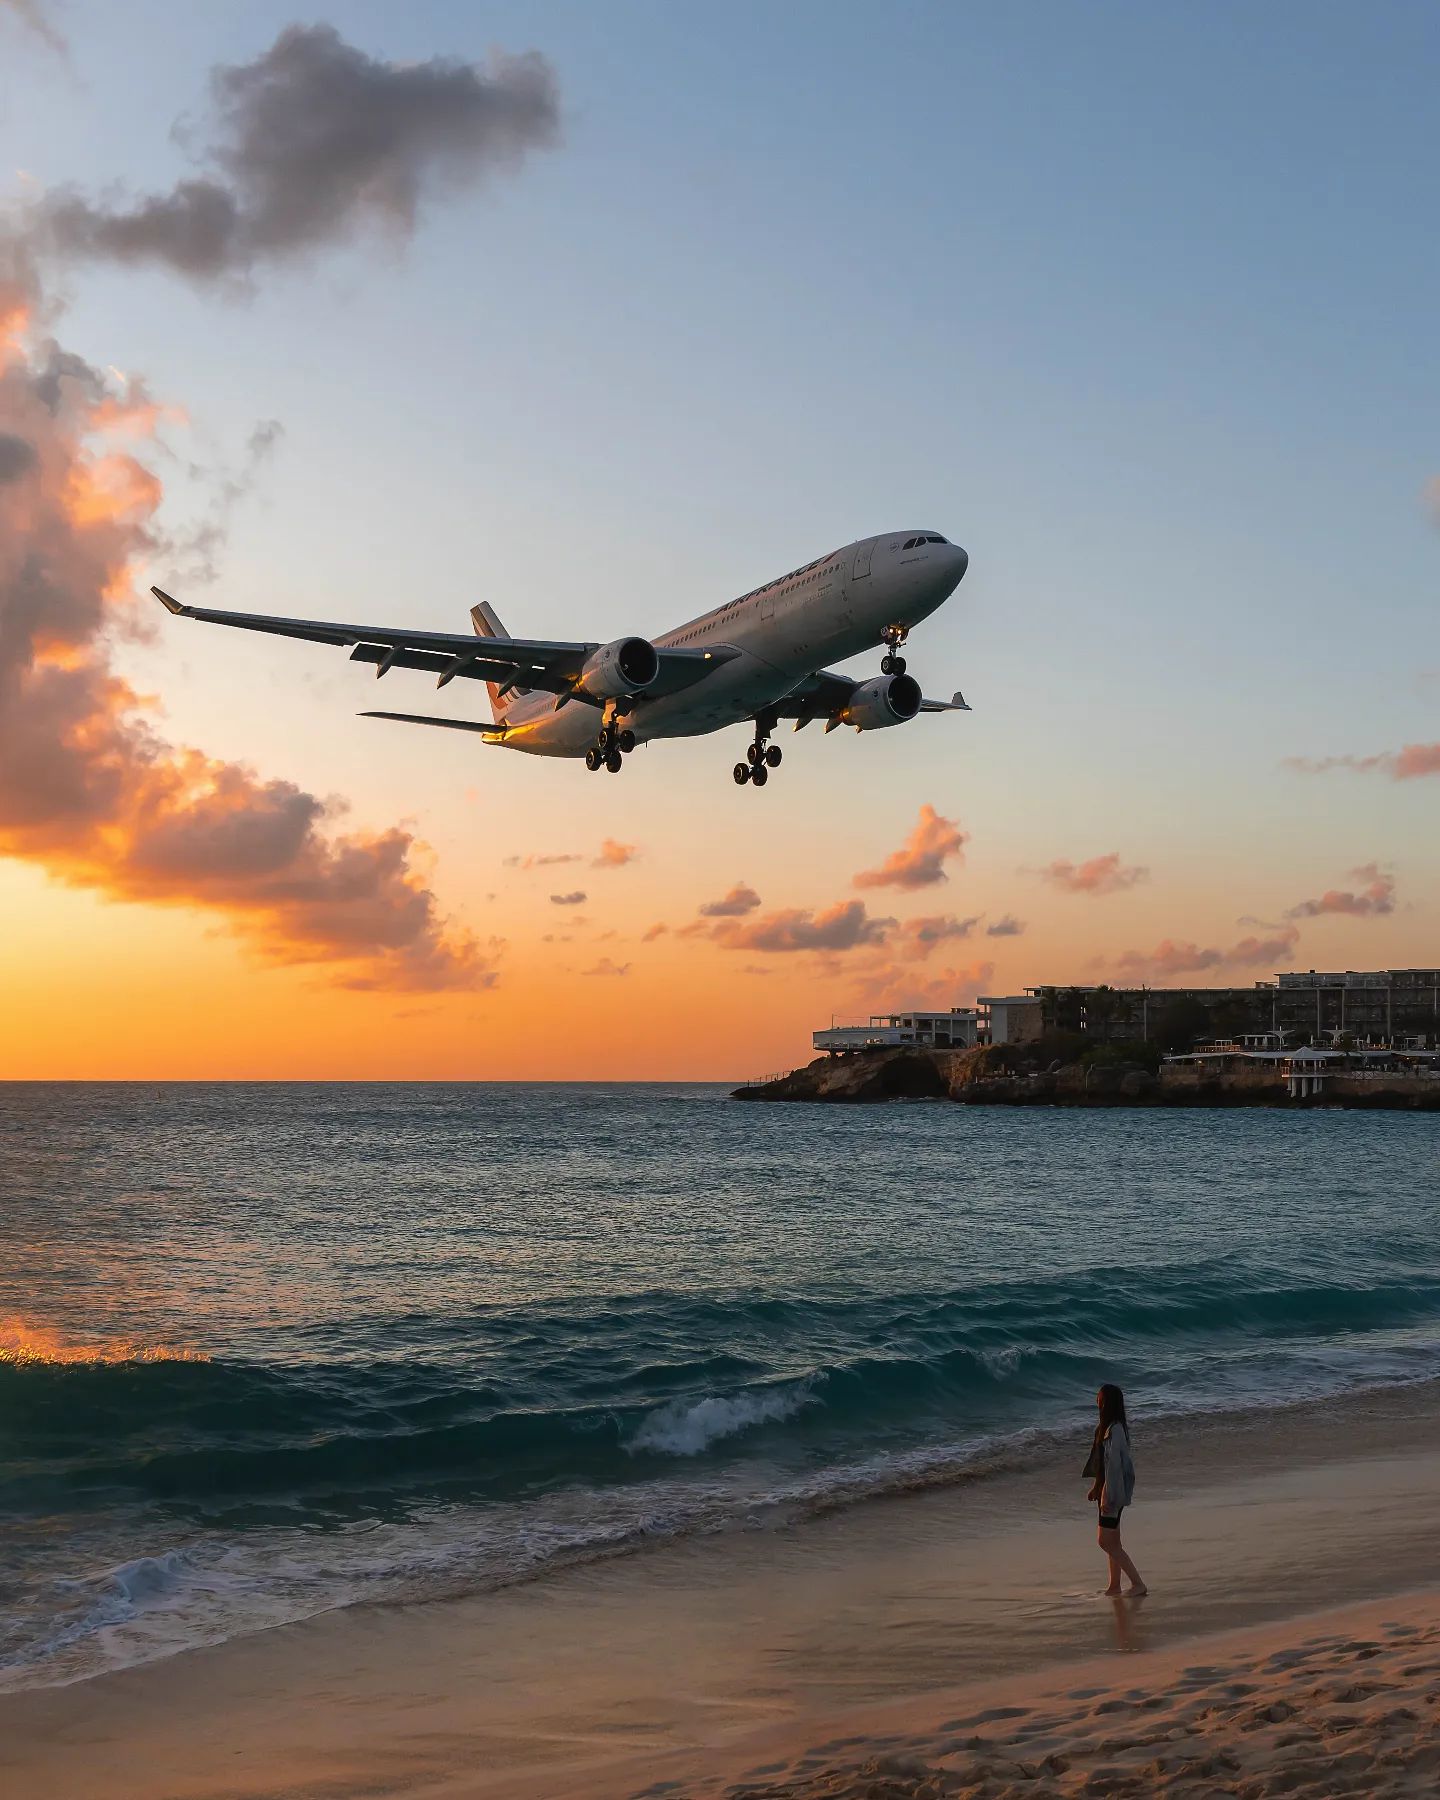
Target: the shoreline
pixel 868 1077
pixel 686 1658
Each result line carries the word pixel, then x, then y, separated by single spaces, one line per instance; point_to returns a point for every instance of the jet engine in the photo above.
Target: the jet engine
pixel 885 700
pixel 617 670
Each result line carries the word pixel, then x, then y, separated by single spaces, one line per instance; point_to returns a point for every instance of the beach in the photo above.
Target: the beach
pixel 949 1640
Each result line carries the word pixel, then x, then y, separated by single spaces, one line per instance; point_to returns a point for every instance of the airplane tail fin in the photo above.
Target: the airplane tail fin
pixel 487 624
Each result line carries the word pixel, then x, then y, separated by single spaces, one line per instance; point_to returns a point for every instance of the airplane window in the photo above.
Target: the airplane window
pixel 935 540
pixel 910 543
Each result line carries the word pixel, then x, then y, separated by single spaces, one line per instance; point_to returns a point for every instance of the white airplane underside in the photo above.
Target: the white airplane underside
pixel 758 658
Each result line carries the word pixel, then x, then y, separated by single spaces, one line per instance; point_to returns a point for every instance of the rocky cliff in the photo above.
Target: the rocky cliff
pixel 1007 1076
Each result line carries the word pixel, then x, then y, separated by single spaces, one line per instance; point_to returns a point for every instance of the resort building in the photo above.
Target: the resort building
pixel 1010 1018
pixel 1378 1006
pixel 957 1029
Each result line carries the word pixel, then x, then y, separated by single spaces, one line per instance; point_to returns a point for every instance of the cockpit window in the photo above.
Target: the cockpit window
pixel 910 543
pixel 932 539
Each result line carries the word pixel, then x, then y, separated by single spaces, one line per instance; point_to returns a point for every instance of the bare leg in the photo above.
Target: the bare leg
pixel 1108 1540
pixel 1120 1564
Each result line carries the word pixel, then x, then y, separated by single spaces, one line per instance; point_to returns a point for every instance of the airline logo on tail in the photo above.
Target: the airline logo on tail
pixel 487 624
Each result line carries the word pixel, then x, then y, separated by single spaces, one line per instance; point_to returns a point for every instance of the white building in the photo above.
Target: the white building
pixel 957 1029
pixel 1010 1018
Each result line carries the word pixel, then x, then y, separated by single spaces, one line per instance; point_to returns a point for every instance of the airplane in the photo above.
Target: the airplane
pixel 758 658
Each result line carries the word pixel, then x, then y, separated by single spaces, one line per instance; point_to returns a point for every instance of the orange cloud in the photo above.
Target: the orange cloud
pixel 740 900
pixel 1405 764
pixel 1377 896
pixel 917 938
pixel 1100 875
pixel 1172 957
pixel 919 861
pixel 844 926
pixel 658 929
pixel 577 898
pixel 91 791
pixel 614 855
pixel 1008 926
pixel 895 988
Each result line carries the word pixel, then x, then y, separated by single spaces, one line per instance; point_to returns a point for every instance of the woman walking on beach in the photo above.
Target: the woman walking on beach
pixel 1113 1471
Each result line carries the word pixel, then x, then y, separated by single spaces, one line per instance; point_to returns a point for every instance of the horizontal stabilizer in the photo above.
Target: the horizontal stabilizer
pixel 490 731
pixel 957 703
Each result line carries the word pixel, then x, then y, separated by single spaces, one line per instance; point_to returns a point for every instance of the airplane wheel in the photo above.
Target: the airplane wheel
pixel 897 665
pixel 887 665
pixel 592 759
pixel 753 753
pixel 614 762
pixel 760 774
pixel 742 774
pixel 772 756
pixel 625 743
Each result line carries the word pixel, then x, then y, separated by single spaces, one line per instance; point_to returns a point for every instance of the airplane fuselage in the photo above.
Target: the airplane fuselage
pixel 835 607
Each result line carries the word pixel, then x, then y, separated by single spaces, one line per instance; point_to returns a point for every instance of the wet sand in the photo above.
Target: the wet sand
pixel 775 1661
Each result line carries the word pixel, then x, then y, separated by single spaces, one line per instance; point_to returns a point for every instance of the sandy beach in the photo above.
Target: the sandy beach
pixel 948 1641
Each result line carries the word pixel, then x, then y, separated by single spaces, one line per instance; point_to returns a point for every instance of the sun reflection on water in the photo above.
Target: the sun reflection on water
pixel 22 1342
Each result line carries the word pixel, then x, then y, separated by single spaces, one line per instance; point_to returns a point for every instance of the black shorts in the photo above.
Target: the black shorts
pixel 1109 1524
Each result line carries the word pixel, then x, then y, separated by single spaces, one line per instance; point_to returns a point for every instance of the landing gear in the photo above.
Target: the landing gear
pixel 893 636
pixel 761 756
pixel 610 749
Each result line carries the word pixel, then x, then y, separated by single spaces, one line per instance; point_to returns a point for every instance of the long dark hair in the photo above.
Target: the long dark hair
pixel 1112 1411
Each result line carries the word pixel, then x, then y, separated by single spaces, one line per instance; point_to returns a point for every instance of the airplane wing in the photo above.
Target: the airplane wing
pixel 525 662
pixel 825 694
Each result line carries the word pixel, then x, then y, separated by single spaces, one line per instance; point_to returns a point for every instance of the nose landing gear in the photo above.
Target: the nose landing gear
pixel 760 757
pixel 610 749
pixel 893 636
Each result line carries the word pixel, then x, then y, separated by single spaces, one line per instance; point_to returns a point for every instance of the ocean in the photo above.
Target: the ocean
pixel 268 1350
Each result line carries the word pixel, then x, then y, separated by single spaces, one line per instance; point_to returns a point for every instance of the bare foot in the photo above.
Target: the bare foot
pixel 1135 1592
pixel 1113 1592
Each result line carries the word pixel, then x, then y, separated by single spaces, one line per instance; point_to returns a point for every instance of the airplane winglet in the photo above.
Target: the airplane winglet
pixel 169 602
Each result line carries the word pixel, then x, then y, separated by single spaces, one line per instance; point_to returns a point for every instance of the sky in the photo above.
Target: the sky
pixel 630 309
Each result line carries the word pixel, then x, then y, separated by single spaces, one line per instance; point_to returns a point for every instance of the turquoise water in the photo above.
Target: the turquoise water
pixel 455 1335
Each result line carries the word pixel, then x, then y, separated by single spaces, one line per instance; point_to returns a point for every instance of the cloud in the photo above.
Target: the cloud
pixel 917 938
pixel 575 899
pixel 918 863
pixel 546 861
pixel 33 15
pixel 90 789
pixel 606 967
pixel 613 855
pixel 17 458
pixel 844 926
pixel 1008 926
pixel 1376 896
pixel 739 901
pixel 192 556
pixel 1100 875
pixel 1405 764
pixel 1172 957
pixel 896 988
pixel 315 143
pixel 658 929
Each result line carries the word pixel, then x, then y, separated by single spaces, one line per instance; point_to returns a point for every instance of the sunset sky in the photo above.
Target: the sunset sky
pixel 1137 304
